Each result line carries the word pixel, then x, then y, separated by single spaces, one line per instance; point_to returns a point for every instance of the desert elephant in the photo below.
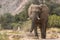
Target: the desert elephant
pixel 39 16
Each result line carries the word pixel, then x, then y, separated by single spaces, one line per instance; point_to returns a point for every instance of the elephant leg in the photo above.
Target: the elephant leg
pixel 43 30
pixel 32 26
pixel 35 31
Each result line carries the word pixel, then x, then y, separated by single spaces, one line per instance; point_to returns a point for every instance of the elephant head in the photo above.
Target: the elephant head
pixel 34 11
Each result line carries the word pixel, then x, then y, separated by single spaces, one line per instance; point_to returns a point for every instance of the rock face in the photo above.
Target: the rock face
pixel 14 6
pixel 11 6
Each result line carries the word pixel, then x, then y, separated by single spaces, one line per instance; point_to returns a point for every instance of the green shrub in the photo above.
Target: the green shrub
pixel 54 20
pixel 16 25
pixel 6 20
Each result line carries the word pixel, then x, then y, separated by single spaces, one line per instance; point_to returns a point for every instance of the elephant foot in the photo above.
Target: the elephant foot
pixel 43 36
pixel 36 35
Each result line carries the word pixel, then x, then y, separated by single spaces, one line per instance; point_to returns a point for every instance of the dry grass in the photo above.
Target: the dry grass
pixel 52 33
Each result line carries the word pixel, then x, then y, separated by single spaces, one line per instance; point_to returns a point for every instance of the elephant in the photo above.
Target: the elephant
pixel 39 16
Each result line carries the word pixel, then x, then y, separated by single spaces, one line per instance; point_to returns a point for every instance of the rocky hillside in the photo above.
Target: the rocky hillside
pixel 11 6
pixel 14 6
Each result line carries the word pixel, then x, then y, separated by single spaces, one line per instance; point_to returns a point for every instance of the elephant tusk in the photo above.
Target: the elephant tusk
pixel 38 18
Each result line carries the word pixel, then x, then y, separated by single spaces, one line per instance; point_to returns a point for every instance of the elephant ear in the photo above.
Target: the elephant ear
pixel 29 11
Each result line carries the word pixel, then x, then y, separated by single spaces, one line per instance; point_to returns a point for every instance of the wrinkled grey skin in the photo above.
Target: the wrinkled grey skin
pixel 39 16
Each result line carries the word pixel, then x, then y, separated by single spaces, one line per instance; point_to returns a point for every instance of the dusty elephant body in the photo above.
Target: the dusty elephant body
pixel 39 16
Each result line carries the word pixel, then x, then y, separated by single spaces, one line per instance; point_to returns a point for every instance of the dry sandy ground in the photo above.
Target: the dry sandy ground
pixel 52 34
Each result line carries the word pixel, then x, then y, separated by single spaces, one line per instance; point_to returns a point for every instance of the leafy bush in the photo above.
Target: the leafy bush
pixel 6 20
pixel 53 6
pixel 54 20
pixel 22 16
pixel 57 10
